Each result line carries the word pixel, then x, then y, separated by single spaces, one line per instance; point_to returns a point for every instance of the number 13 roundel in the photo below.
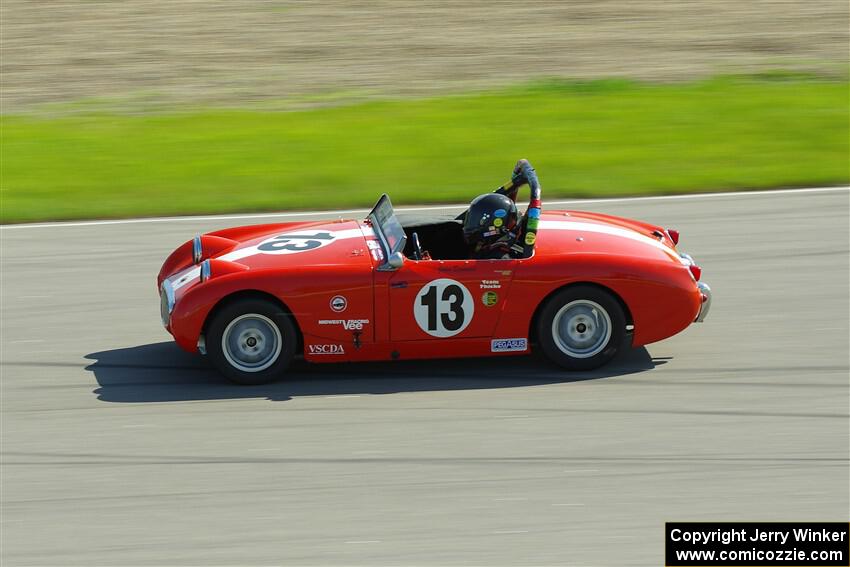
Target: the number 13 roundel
pixel 443 308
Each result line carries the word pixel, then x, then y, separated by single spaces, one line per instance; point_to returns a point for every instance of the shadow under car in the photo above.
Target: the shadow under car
pixel 161 372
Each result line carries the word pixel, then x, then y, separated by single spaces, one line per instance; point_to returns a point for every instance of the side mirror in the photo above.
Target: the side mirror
pixel 394 262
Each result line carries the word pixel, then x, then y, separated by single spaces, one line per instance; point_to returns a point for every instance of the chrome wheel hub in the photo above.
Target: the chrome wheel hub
pixel 581 328
pixel 251 342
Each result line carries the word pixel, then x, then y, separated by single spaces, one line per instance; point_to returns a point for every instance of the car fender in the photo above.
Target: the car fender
pixel 660 296
pixel 306 295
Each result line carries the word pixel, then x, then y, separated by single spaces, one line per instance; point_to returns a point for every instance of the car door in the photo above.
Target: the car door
pixel 439 299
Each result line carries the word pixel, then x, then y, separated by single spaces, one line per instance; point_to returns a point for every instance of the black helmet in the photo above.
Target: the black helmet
pixel 489 218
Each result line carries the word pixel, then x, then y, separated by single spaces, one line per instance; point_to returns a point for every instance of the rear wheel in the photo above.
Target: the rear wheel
pixel 581 327
pixel 251 341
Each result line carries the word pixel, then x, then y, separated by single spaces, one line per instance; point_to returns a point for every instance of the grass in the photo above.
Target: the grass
pixel 595 138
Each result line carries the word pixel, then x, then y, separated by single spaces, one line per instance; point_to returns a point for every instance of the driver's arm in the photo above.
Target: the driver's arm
pixel 510 189
pixel 518 179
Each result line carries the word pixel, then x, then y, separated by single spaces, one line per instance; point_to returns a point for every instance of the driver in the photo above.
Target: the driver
pixel 490 226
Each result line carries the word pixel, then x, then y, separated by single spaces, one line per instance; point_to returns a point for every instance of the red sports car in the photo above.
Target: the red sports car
pixel 581 286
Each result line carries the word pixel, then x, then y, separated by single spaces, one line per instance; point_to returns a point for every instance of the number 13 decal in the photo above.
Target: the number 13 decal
pixel 443 308
pixel 295 242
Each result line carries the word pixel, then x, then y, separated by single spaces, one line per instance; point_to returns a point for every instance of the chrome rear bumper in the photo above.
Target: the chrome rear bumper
pixel 706 302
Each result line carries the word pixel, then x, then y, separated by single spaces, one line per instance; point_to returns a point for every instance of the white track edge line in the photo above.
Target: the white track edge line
pixel 249 216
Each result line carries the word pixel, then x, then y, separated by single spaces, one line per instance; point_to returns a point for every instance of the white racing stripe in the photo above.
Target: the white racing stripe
pixel 340 212
pixel 189 275
pixel 578 226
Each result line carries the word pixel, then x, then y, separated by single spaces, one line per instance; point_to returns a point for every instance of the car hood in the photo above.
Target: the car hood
pixel 295 244
pixel 273 246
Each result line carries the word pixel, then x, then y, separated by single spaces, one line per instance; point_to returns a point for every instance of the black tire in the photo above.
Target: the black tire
pixel 578 341
pixel 274 341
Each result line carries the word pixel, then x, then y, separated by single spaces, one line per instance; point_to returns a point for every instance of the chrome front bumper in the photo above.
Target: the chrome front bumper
pixel 166 302
pixel 706 302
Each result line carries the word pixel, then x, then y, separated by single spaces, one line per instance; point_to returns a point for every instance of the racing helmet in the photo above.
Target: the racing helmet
pixel 490 217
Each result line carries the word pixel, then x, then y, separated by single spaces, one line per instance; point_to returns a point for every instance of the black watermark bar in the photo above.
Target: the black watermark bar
pixel 757 544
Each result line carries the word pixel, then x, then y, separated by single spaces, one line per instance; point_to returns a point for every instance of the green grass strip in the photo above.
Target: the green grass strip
pixel 597 138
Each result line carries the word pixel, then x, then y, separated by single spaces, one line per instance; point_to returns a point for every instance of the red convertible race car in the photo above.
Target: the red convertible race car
pixel 490 282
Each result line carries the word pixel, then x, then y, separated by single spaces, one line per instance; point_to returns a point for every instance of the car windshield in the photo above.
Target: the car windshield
pixel 387 227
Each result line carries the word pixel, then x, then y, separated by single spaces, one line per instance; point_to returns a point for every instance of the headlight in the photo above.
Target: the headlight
pixel 197 250
pixel 205 270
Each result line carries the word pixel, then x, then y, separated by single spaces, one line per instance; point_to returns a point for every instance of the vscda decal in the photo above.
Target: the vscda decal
pixel 294 242
pixel 443 308
pixel 326 349
pixel 508 345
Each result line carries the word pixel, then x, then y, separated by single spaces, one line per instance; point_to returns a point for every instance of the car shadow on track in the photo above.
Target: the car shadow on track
pixel 161 372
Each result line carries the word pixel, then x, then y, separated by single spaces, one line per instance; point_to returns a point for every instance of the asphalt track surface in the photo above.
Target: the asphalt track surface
pixel 119 449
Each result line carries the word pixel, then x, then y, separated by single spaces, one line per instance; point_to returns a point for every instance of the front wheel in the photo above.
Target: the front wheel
pixel 581 327
pixel 251 341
